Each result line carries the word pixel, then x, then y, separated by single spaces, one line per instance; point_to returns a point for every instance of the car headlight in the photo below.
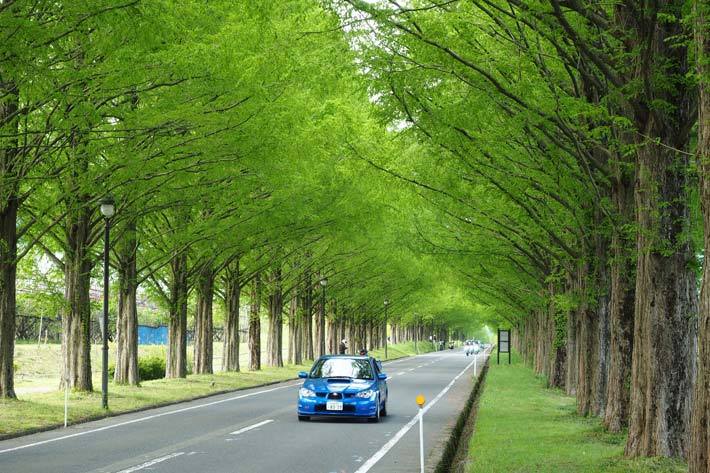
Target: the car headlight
pixel 366 394
pixel 305 392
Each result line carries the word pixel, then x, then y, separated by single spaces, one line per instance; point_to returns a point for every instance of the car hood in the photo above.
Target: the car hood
pixel 337 386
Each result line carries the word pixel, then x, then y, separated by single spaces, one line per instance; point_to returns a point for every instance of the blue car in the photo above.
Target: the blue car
pixel 343 386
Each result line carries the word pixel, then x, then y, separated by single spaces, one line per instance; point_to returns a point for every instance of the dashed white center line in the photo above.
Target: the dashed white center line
pixel 151 462
pixel 401 372
pixel 247 429
pixel 410 369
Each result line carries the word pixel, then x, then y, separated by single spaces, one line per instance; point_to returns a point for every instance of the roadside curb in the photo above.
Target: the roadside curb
pixel 46 428
pixel 459 435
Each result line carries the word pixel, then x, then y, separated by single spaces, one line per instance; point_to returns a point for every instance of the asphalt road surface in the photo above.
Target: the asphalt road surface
pixel 257 430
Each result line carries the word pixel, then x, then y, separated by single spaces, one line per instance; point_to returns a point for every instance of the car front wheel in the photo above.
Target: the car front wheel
pixel 377 415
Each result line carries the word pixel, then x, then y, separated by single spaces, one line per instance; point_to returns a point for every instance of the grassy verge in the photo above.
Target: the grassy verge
pixel 401 350
pixel 523 427
pixel 42 410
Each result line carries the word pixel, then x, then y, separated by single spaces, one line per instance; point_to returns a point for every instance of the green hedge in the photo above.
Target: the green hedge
pixel 149 367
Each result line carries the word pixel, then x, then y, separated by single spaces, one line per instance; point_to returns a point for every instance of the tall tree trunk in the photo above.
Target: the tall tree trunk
pixel 8 236
pixel 666 305
pixel 320 324
pixel 8 270
pixel 571 372
pixel 76 321
pixel 232 296
pixel 274 342
pixel 586 334
pixel 176 364
pixel 342 328
pixel 307 318
pixel 255 325
pixel 127 322
pixel 559 349
pixel 663 359
pixel 204 333
pixel 333 324
pixel 699 450
pixel 601 338
pixel 295 355
pixel 370 343
pixel 621 308
pixel 352 337
pixel 232 299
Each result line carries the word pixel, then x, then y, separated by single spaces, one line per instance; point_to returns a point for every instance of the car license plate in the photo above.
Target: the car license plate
pixel 334 406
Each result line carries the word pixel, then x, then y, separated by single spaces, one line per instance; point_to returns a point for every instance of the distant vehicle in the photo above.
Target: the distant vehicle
pixel 343 386
pixel 472 347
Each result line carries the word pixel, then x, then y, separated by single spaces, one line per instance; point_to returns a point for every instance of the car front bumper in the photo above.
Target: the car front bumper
pixel 352 407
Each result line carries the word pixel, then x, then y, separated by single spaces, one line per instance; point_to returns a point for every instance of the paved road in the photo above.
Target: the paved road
pixel 257 431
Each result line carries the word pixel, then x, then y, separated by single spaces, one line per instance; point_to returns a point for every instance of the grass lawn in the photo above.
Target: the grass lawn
pixel 38 368
pixel 523 427
pixel 401 350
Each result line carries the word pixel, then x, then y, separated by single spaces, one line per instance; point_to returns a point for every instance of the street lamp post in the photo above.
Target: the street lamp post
pixel 107 210
pixel 321 321
pixel 387 302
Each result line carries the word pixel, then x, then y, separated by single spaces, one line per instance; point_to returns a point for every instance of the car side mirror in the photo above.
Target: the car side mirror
pixel 381 376
pixel 302 374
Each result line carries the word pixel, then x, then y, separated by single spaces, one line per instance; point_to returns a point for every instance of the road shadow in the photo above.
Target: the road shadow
pixel 348 420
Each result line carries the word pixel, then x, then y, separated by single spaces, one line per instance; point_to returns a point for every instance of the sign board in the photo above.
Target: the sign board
pixel 503 343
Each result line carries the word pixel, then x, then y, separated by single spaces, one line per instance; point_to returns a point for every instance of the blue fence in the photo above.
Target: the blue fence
pixel 152 335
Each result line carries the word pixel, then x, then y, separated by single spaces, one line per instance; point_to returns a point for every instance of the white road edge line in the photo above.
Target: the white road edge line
pixel 142 419
pixel 397 437
pixel 247 429
pixel 151 463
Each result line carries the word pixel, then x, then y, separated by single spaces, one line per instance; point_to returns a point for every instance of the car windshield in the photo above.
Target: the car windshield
pixel 342 368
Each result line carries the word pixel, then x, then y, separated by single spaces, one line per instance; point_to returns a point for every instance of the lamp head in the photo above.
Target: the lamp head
pixel 108 207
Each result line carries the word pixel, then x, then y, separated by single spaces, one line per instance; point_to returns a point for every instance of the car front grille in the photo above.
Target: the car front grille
pixel 336 395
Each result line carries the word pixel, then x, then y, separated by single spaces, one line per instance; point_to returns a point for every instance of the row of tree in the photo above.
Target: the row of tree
pixel 563 148
pixel 228 135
